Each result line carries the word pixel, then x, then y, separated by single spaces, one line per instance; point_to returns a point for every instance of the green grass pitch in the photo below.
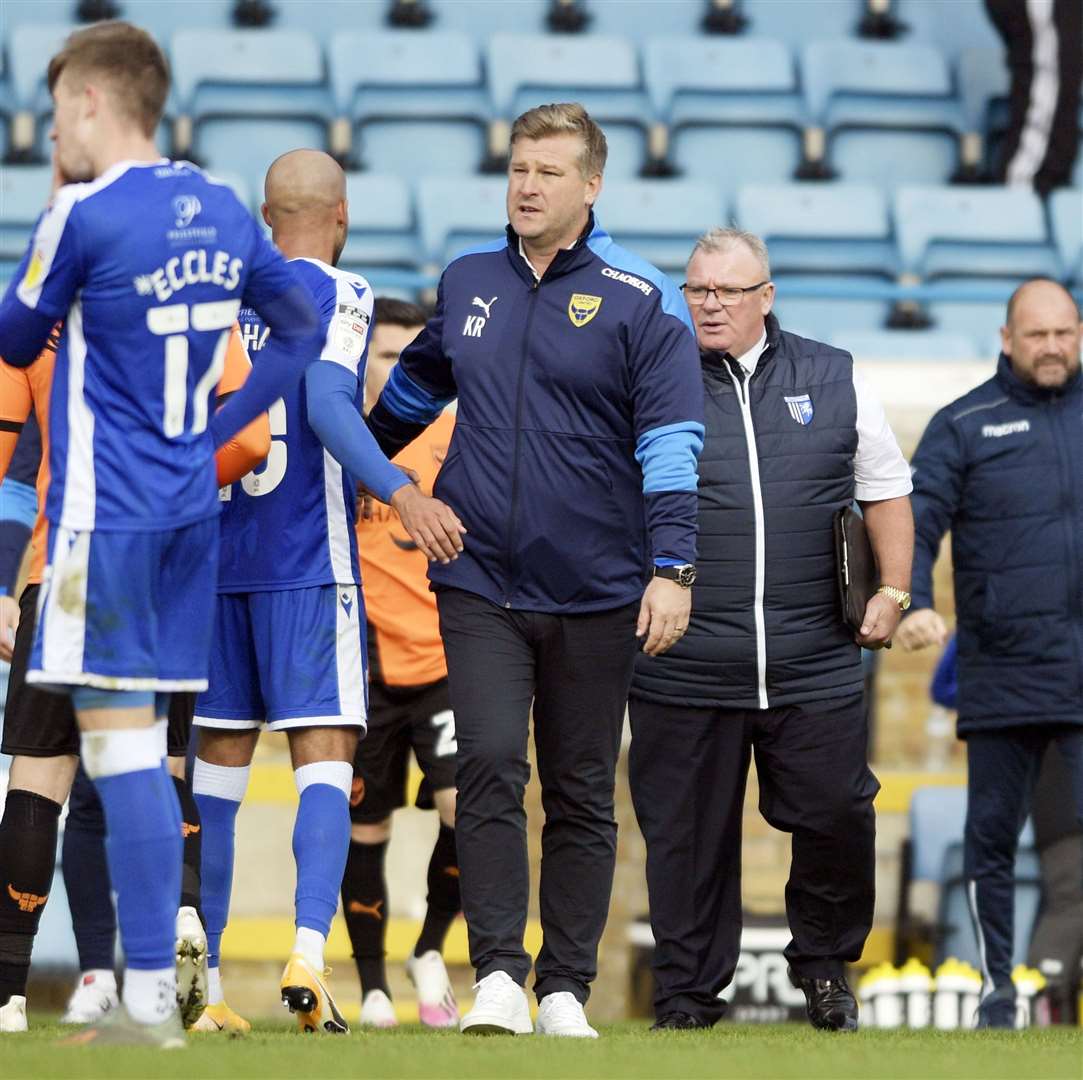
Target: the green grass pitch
pixel 624 1052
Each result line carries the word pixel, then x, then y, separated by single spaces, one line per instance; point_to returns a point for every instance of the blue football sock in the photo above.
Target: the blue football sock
pixel 219 819
pixel 321 841
pixel 143 847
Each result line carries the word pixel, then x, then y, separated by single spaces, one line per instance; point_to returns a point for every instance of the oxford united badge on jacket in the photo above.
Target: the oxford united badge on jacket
pixel 582 308
pixel 800 408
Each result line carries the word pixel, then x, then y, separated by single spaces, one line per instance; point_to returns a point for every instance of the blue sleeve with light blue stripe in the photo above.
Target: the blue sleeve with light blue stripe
pixel 410 402
pixel 18 502
pixel 668 455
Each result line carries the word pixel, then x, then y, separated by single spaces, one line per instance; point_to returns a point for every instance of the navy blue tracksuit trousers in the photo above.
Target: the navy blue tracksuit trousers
pixel 1003 766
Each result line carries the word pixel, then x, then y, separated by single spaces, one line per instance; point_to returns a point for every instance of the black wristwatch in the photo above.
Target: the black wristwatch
pixel 685 575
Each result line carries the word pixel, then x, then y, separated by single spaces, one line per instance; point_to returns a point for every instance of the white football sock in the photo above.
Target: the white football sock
pixel 309 943
pixel 214 986
pixel 150 996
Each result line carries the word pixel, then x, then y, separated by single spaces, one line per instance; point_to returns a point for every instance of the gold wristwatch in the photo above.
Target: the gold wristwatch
pixel 900 597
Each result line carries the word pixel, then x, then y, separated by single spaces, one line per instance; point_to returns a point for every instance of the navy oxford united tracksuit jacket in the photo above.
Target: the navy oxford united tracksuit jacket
pixel 580 418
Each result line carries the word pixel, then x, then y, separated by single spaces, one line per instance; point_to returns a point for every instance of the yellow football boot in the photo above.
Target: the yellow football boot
pixel 221 1017
pixel 306 995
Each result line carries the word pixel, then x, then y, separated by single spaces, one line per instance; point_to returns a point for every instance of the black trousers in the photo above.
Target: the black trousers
pixel 576 670
pixel 687 770
pixel 1002 768
pixel 1045 60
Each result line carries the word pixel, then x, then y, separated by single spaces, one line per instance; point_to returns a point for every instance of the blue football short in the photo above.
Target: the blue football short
pixel 288 659
pixel 127 610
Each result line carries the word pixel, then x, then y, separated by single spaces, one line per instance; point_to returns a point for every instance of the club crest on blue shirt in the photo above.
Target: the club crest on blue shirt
pixel 582 308
pixel 800 408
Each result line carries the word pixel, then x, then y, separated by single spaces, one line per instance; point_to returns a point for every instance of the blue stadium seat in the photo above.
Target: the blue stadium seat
pixel 736 156
pixel 660 219
pixel 983 80
pixel 1066 221
pixel 24 191
pixel 731 96
pixel 482 17
pixel 981 319
pixel 328 18
pixel 888 109
pixel 406 93
pixel 937 815
pixel 240 187
pixel 16 12
pixel 798 21
pixel 950 25
pixel 164 20
pixel 821 228
pixel 930 345
pixel 457 213
pixel 803 309
pixel 381 223
pixel 722 80
pixel 937 818
pixel 30 47
pixel 957 937
pixel 641 20
pixel 600 72
pixel 239 88
pixel 973 232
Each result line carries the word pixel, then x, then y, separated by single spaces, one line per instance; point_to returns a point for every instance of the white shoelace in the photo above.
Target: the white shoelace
pixel 563 1008
pixel 496 993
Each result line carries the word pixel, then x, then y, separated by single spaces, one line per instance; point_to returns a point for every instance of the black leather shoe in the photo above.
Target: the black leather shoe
pixel 998 1009
pixel 831 1004
pixel 677 1021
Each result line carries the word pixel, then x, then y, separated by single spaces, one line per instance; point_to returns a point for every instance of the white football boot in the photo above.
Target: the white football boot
pixel 191 948
pixel 500 1008
pixel 436 1005
pixel 561 1014
pixel 94 995
pixel 13 1015
pixel 377 1011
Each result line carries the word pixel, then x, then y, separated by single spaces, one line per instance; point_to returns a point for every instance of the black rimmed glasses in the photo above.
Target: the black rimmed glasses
pixel 726 295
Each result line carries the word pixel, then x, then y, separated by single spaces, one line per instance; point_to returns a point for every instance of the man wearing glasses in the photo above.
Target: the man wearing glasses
pixel 767 665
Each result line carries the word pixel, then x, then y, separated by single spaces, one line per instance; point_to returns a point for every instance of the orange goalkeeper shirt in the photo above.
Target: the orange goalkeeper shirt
pixel 405 645
pixel 23 389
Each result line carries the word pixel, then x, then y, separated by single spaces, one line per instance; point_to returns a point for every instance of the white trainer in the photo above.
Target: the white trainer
pixel 377 1011
pixel 500 1008
pixel 94 995
pixel 561 1014
pixel 13 1015
pixel 436 1005
pixel 191 966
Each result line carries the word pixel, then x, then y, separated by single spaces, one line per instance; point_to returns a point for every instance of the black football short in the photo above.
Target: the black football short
pixel 38 723
pixel 402 719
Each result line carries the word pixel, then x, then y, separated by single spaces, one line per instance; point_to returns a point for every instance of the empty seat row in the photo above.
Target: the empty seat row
pixel 950 24
pixel 825 230
pixel 372 82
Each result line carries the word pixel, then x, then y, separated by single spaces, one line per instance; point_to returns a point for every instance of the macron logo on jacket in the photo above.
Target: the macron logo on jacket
pixel 998 431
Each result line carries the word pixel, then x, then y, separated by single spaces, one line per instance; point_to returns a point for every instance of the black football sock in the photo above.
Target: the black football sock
pixel 191 827
pixel 364 904
pixel 444 900
pixel 86 877
pixel 28 832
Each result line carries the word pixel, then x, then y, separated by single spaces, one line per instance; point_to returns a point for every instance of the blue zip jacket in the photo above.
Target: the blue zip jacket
pixel 580 420
pixel 1000 467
